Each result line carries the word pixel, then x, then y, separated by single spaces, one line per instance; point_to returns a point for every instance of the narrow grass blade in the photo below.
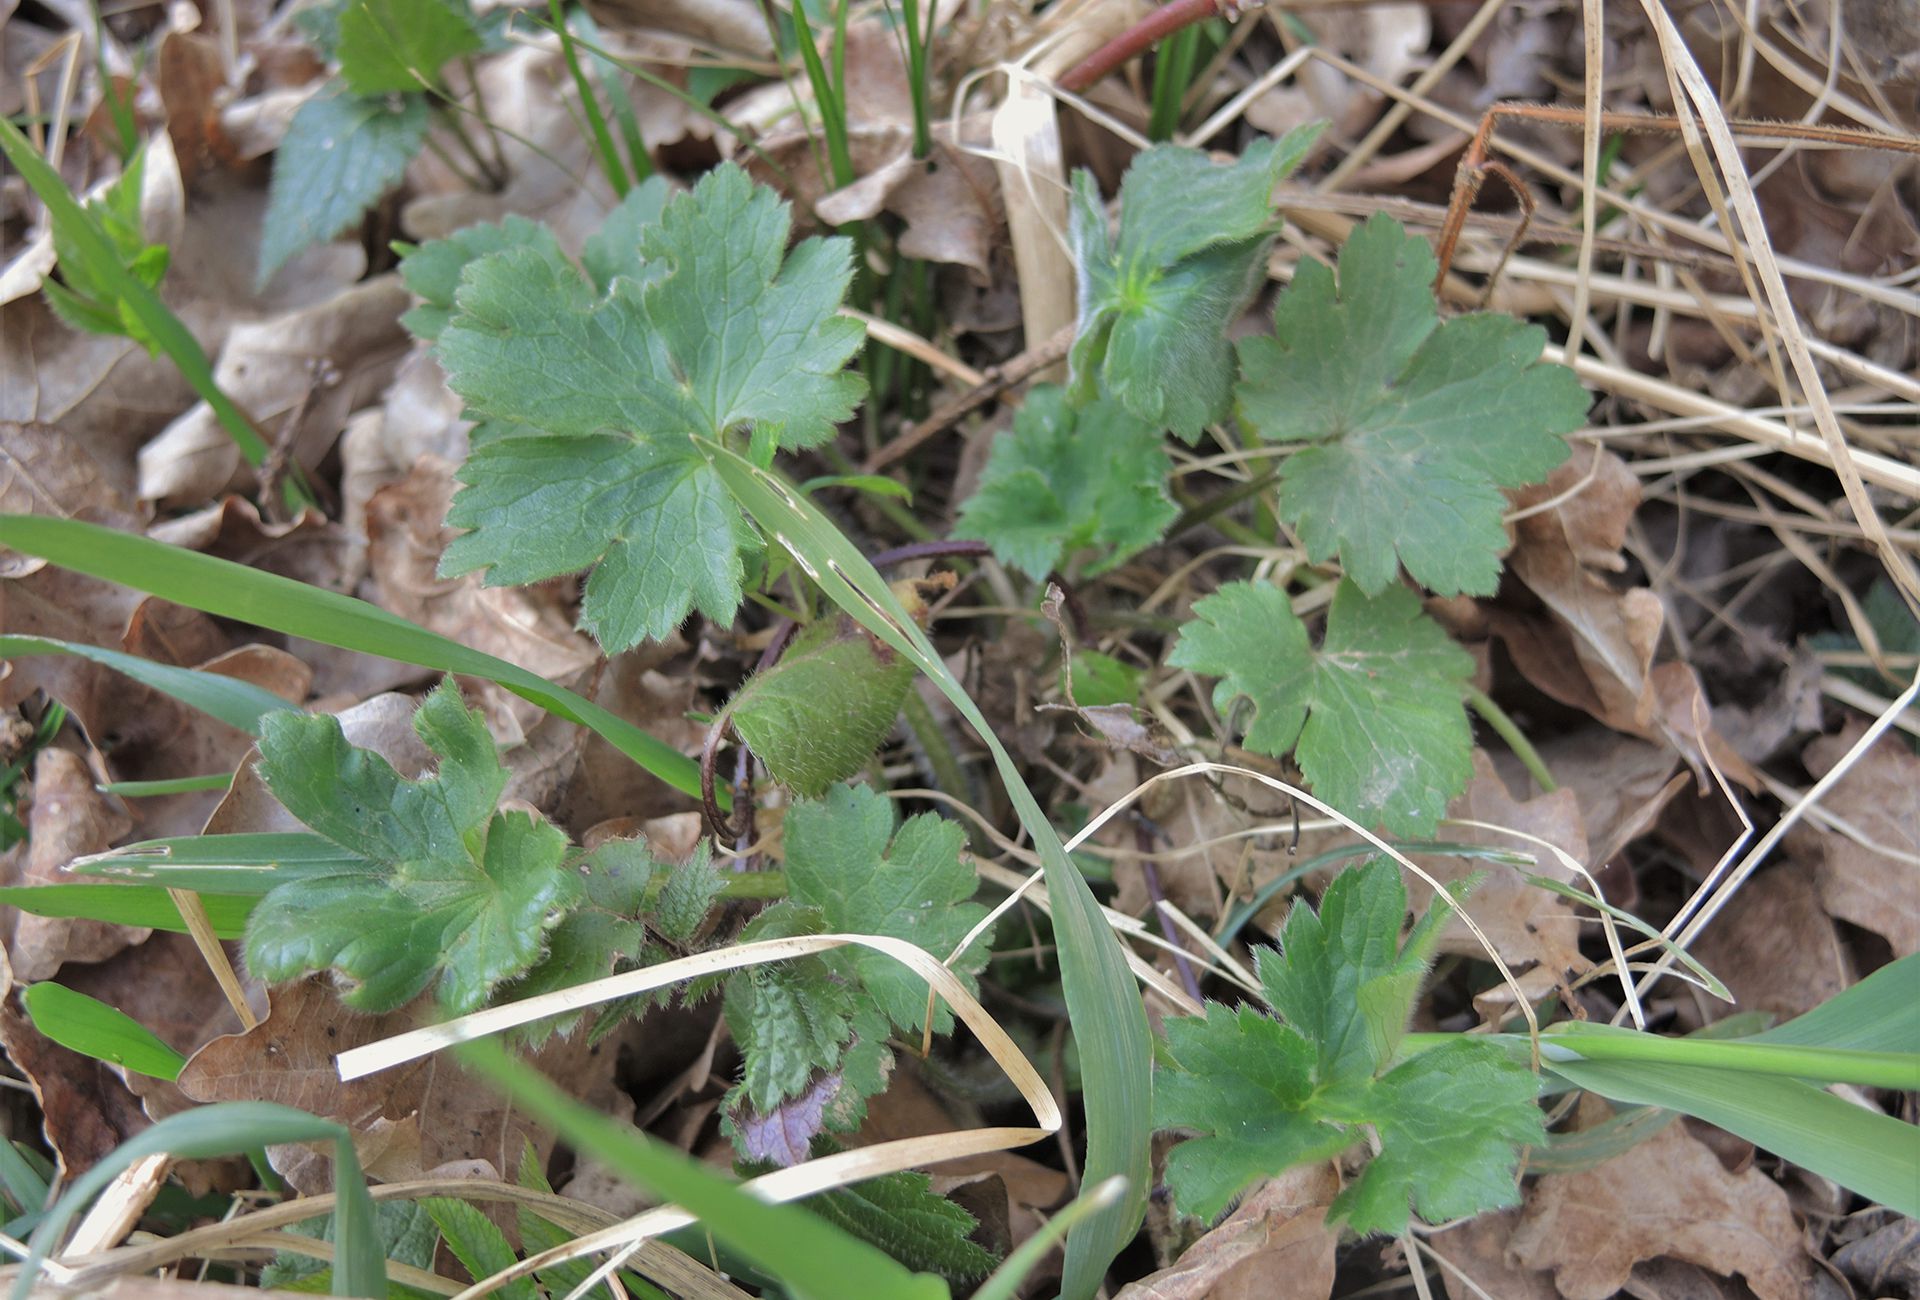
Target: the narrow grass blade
pixel 145 905
pixel 234 702
pixel 175 785
pixel 1869 1069
pixel 268 600
pixel 234 1128
pixel 1879 1014
pixel 1109 1021
pixel 92 1028
pixel 1872 1154
pixel 80 231
pixel 241 865
pixel 811 1257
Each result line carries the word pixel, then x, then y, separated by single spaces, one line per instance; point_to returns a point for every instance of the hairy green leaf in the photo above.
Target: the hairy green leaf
pixel 1155 302
pixel 1375 711
pixel 904 1216
pixel 817 715
pixel 457 893
pixel 1067 478
pixel 339 156
pixel 711 328
pixel 1268 1095
pixel 1415 425
pixel 386 46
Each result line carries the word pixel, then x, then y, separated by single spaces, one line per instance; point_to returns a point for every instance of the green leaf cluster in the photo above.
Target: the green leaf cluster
pixel 350 144
pixel 813 1031
pixel 441 888
pixel 86 296
pixel 1412 426
pixel 1373 713
pixel 1068 478
pixel 688 317
pixel 1266 1094
pixel 1156 300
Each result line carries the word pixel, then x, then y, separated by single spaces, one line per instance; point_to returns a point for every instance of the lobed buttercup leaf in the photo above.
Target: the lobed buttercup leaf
pixel 454 893
pixel 1373 715
pixel 1065 479
pixel 1414 426
pixel 1155 302
pixel 1266 1095
pixel 692 319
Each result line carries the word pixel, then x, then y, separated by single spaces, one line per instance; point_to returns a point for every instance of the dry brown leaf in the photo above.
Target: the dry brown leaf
pixel 69 818
pixel 311 366
pixel 1595 646
pixel 528 626
pixel 1536 932
pixel 1481 1266
pixel 1668 1197
pixel 1775 947
pixel 1275 1246
pixel 288 1058
pixel 1878 799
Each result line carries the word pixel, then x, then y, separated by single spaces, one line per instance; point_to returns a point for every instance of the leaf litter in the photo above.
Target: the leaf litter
pixel 1651 590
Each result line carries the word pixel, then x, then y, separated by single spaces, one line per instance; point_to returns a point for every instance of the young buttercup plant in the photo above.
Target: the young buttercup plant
pixel 690 317
pixel 1266 1094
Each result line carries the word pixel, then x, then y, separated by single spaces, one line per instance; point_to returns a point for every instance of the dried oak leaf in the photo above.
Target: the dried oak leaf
pixel 1275 1246
pixel 1669 1197
pixel 1775 947
pixel 1869 886
pixel 69 818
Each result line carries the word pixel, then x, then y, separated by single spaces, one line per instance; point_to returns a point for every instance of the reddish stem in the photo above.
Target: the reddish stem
pixel 1142 36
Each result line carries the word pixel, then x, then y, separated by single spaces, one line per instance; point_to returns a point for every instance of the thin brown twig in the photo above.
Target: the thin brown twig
pixel 1476 163
pixel 997 380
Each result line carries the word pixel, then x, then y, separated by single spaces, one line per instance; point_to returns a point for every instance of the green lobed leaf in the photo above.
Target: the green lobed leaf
pixel 388 46
pixel 1374 714
pixel 816 716
pixel 432 270
pixel 1155 302
pixel 845 859
pixel 340 154
pixel 1415 425
pixel 1065 479
pixel 1265 1095
pixel 457 893
pixel 724 331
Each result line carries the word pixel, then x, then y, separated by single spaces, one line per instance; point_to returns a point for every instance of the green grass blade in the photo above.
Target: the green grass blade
pixel 230 1128
pixel 1872 1154
pixel 268 600
pixel 1880 1014
pixel 1870 1069
pixel 80 231
pixel 238 865
pixel 811 1257
pixel 92 1028
pixel 236 703
pixel 589 105
pixel 174 785
pixel 146 905
pixel 1108 1019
